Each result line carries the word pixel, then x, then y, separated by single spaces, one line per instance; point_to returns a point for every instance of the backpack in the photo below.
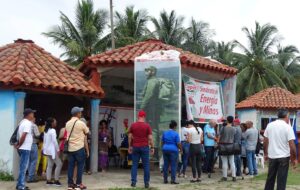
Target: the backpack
pixel 166 90
pixel 14 137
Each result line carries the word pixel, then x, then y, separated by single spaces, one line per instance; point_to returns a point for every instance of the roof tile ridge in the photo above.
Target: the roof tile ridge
pixel 18 77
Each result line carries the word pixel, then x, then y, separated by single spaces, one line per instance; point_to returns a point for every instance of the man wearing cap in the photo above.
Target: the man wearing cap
pixel 77 131
pixel 140 137
pixel 24 145
pixel 150 103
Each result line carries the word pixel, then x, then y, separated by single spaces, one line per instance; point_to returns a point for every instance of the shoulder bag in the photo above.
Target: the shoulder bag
pixel 66 145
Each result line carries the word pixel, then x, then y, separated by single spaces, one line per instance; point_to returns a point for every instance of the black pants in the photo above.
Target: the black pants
pixel 277 167
pixel 244 159
pixel 195 155
pixel 209 152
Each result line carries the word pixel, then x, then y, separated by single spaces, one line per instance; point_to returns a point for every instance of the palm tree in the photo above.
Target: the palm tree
pixel 258 65
pixel 289 68
pixel 168 28
pixel 224 53
pixel 83 38
pixel 198 38
pixel 131 27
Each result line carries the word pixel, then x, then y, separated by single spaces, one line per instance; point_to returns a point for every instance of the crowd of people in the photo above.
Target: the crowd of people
pixel 235 143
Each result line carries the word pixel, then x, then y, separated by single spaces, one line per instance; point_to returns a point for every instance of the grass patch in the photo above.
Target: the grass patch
pixel 293 177
pixel 5 176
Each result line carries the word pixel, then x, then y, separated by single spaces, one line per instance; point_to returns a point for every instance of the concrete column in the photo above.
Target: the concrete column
pixel 94 131
pixel 19 108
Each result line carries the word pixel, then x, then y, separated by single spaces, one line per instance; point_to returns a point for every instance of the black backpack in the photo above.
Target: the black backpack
pixel 14 137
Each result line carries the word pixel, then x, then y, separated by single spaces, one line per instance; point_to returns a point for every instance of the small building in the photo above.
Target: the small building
pixel 116 69
pixel 32 77
pixel 262 107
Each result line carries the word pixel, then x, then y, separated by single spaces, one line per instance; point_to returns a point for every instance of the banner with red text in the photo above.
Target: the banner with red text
pixel 204 100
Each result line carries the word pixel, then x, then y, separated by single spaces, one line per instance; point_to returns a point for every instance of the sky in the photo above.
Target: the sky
pixel 27 19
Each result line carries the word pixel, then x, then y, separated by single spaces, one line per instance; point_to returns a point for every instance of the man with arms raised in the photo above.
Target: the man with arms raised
pixel 279 146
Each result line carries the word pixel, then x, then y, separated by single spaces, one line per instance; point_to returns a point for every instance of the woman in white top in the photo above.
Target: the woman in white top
pixel 51 149
pixel 196 136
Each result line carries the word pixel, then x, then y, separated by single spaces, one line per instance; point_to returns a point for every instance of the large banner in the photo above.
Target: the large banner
pixel 204 100
pixel 157 89
pixel 229 93
pixel 119 120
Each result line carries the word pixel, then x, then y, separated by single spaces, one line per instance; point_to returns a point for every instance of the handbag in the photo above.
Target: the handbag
pixel 66 145
pixel 237 149
pixel 62 143
pixel 226 149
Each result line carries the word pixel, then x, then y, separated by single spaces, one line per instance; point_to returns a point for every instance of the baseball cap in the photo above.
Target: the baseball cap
pixel 142 113
pixel 28 111
pixel 237 121
pixel 76 110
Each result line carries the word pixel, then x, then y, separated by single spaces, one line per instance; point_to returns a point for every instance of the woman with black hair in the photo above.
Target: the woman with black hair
pixel 51 149
pixel 170 145
pixel 196 134
pixel 104 139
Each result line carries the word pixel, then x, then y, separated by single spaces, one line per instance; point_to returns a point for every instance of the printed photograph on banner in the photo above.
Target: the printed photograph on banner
pixel 204 100
pixel 157 80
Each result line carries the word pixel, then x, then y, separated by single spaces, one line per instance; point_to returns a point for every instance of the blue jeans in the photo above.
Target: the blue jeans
pixel 32 162
pixel 24 160
pixel 238 165
pixel 77 157
pixel 137 154
pixel 209 159
pixel 184 157
pixel 251 162
pixel 170 159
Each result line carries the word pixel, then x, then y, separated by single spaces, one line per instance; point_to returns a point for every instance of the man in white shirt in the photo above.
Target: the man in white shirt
pixel 24 145
pixel 279 147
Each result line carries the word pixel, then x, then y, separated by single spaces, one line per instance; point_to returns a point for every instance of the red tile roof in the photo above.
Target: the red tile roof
pixel 24 65
pixel 271 98
pixel 125 57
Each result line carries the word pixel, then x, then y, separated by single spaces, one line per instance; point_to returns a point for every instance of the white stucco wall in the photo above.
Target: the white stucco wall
pixel 7 124
pixel 256 115
pixel 248 115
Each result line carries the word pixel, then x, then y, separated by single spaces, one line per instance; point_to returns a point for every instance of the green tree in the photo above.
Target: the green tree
pixel 131 27
pixel 224 53
pixel 168 28
pixel 198 38
pixel 289 68
pixel 258 64
pixel 83 38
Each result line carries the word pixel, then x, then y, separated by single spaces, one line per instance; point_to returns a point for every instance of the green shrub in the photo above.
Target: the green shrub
pixel 5 176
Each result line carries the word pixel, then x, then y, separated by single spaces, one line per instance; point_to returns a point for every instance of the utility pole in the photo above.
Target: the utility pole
pixel 112 25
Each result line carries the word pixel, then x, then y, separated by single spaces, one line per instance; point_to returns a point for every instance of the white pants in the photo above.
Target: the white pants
pixel 50 165
pixel 225 160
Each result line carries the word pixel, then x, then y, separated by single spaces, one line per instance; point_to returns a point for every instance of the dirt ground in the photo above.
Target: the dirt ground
pixel 120 179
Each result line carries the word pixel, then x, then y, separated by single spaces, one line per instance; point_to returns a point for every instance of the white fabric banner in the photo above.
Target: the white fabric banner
pixel 204 100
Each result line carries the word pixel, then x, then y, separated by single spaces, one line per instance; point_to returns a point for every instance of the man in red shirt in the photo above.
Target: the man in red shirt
pixel 140 137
